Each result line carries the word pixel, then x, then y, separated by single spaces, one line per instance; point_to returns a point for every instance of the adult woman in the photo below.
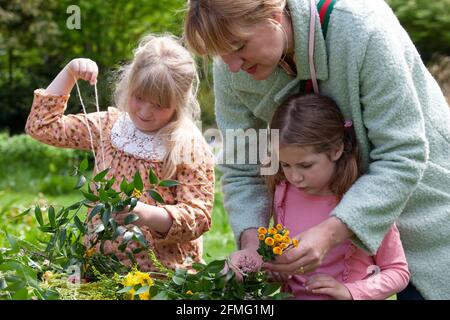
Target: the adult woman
pixel 369 66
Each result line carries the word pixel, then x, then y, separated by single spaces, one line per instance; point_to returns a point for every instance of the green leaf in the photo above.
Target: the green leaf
pixel 127 236
pixel 51 216
pixel 133 204
pixel 138 184
pixel 130 188
pixel 106 216
pixel 98 208
pixel 155 196
pixel 81 182
pixel 21 214
pixel 141 290
pixel 119 231
pixel 99 176
pixel 271 288
pixel 99 228
pixel 62 237
pixel 123 185
pixel 152 177
pixel 12 242
pixel 90 196
pixel 84 165
pixel 178 280
pixel 38 215
pixel 80 225
pixel 21 294
pixel 215 266
pixel 169 183
pixel 47 229
pixel 131 218
pixel 125 289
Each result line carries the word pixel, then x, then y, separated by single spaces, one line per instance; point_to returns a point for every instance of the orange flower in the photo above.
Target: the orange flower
pixel 295 242
pixel 279 226
pixel 272 231
pixel 278 251
pixel 283 245
pixel 287 239
pixel 262 230
pixel 269 241
pixel 261 236
pixel 278 237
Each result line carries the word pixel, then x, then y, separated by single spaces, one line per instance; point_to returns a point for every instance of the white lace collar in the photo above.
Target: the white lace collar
pixel 127 138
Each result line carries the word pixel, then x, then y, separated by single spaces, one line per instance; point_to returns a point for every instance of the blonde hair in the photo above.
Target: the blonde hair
pixel 212 27
pixel 164 72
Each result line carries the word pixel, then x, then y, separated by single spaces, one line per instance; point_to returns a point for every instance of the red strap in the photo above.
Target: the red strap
pixel 323 10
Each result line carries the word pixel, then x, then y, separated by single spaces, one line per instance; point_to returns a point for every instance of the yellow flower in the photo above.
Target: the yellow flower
pixel 278 237
pixel 189 292
pixel 89 252
pixel 131 294
pixel 144 296
pixel 287 239
pixel 283 245
pixel 261 236
pixel 262 230
pixel 277 250
pixel 269 241
pixel 136 193
pixel 272 231
pixel 48 275
pixel 295 242
pixel 143 278
pixel 279 226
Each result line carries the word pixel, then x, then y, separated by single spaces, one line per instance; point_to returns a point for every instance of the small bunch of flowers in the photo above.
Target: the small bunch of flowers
pixel 137 283
pixel 274 241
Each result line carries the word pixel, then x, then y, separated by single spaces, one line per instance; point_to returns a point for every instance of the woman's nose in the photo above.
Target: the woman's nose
pixel 233 61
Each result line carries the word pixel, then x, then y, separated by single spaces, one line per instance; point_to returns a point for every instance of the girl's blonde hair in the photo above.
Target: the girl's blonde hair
pixel 316 121
pixel 164 72
pixel 212 27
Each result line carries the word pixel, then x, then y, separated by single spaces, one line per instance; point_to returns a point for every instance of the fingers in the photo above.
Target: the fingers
pixel 84 69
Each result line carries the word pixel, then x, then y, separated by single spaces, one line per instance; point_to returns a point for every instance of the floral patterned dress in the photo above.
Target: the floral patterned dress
pixel 125 151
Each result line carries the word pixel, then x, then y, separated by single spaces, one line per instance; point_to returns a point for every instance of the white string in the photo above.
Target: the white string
pixel 100 126
pixel 312 26
pixel 87 124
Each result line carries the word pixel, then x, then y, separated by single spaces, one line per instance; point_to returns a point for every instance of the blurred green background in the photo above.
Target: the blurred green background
pixel 35 43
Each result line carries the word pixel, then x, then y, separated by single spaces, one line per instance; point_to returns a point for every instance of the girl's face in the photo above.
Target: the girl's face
pixel 147 116
pixel 259 52
pixel 308 170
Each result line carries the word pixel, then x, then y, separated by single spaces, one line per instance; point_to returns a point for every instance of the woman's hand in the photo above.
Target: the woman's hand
pixel 277 276
pixel 325 284
pixel 314 244
pixel 83 68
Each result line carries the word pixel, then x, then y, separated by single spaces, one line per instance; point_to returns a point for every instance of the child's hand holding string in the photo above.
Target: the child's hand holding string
pixel 83 68
pixel 79 68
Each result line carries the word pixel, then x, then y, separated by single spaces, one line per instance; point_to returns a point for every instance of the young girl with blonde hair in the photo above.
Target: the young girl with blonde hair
pixel 152 126
pixel 319 161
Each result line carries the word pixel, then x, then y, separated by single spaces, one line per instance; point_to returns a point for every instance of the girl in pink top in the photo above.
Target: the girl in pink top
pixel 319 161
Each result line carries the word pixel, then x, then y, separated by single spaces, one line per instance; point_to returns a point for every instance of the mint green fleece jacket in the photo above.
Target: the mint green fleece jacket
pixel 370 67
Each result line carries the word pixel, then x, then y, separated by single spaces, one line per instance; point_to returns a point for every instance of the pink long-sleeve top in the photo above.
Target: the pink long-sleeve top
pixel 366 277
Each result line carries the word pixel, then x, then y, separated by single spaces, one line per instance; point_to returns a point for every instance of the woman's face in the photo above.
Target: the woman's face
pixel 259 52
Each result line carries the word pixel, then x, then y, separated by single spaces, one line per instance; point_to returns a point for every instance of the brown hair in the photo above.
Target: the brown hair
pixel 316 121
pixel 212 27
